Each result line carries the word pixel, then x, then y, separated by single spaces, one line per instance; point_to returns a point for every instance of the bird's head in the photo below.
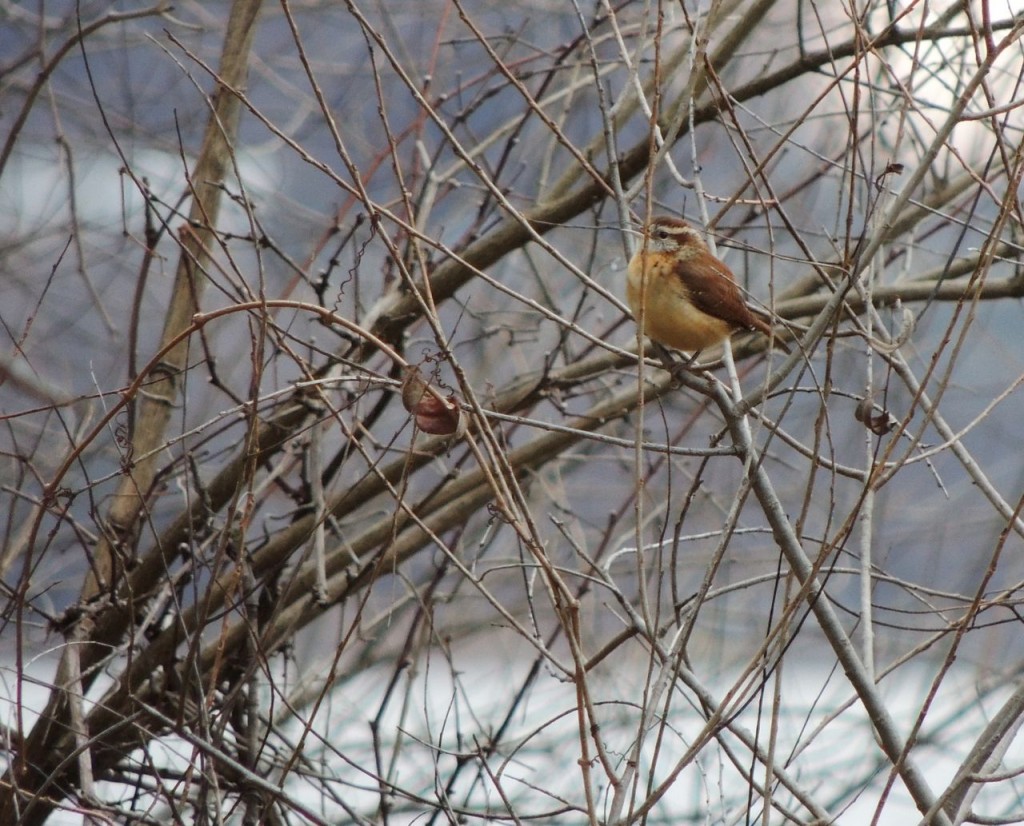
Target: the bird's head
pixel 667 234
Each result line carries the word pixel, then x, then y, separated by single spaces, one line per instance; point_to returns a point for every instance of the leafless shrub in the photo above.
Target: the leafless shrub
pixel 335 490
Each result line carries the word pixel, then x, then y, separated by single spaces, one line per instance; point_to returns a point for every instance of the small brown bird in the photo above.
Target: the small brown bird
pixel 689 299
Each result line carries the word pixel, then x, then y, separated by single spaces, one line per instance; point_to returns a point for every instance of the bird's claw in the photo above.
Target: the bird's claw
pixel 675 367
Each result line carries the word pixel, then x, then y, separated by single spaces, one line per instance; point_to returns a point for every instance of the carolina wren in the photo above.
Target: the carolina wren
pixel 681 294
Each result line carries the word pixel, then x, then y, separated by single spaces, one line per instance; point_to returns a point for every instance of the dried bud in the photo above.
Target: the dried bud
pixel 894 168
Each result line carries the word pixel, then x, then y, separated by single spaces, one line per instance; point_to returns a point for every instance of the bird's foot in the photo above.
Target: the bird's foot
pixel 676 368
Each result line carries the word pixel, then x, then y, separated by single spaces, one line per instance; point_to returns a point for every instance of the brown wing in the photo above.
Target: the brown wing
pixel 713 290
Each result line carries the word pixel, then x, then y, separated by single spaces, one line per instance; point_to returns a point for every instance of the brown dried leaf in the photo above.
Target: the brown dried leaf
pixel 878 423
pixel 433 413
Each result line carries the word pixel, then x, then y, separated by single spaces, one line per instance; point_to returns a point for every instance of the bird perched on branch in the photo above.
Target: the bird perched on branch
pixel 681 295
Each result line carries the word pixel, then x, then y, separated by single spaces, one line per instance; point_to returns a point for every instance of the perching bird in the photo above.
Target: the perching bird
pixel 681 294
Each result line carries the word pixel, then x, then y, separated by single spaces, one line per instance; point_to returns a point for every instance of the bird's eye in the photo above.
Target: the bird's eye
pixel 661 235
